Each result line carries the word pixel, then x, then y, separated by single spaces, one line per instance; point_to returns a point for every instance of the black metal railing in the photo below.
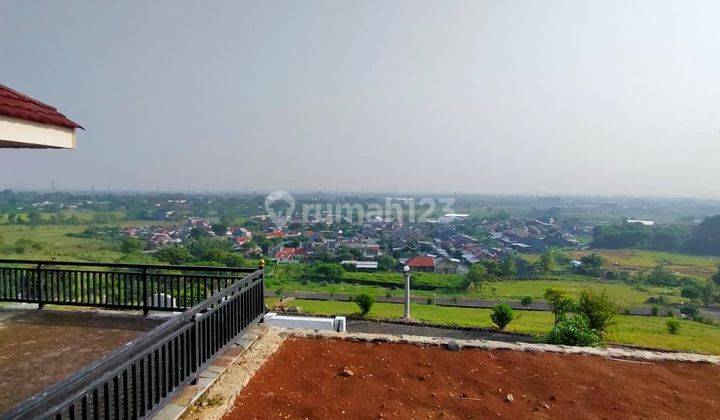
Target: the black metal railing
pixel 119 286
pixel 136 380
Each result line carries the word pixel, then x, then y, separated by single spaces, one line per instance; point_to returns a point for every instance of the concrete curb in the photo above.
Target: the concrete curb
pixel 190 394
pixel 609 352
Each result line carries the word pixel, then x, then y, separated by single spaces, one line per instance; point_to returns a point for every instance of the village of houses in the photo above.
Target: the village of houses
pixel 437 245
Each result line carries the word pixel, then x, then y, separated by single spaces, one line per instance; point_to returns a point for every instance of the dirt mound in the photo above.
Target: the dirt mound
pixel 331 379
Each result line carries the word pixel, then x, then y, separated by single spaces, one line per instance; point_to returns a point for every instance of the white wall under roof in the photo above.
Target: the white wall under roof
pixel 17 133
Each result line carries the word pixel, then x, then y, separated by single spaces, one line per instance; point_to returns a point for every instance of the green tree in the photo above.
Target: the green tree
pixel 501 315
pixel 220 228
pixel 130 245
pixel 546 262
pixel 34 219
pixel 691 292
pixel 387 263
pixel 706 237
pixel 598 308
pixel 328 271
pixel 476 275
pixel 592 264
pixel 716 277
pixel 708 292
pixel 560 302
pixel 174 254
pixel 365 302
pixel 507 266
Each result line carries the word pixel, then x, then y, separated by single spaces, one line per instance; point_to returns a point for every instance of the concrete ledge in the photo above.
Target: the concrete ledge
pixel 337 324
pixel 189 394
pixel 609 352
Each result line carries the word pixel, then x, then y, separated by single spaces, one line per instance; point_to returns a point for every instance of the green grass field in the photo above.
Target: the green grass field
pixel 55 243
pixel 630 330
pixel 624 294
pixel 639 260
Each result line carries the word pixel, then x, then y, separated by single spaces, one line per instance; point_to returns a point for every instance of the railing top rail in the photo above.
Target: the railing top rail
pixel 136 266
pixel 97 371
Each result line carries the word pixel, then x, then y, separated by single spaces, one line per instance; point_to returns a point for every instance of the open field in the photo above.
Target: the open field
pixel 54 242
pixel 624 294
pixel 639 260
pixel 631 330
pixel 321 379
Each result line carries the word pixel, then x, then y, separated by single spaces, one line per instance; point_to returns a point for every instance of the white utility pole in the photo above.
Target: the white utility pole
pixel 406 270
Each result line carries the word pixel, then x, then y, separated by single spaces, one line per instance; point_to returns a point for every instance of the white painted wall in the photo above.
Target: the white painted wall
pixel 22 133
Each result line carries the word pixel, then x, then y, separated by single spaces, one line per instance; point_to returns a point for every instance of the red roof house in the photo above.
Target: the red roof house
pixel 28 123
pixel 289 255
pixel 421 263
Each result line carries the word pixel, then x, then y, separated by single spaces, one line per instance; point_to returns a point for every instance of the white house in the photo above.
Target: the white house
pixel 26 123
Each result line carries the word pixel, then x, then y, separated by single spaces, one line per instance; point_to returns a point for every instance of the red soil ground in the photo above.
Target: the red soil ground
pixel 39 348
pixel 304 379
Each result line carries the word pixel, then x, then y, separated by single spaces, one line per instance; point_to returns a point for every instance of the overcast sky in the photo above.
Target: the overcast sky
pixel 554 97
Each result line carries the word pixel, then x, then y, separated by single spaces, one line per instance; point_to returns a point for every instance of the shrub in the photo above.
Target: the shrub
pixel 654 311
pixel 526 301
pixel 690 292
pixel 573 330
pixel 560 302
pixel 689 310
pixel 598 308
pixel 365 302
pixel 501 315
pixel 673 326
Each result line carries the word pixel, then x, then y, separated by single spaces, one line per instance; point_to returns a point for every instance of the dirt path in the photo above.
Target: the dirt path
pixel 39 348
pixel 305 379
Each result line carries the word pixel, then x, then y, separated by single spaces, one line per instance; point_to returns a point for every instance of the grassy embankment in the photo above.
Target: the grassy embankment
pixel 290 278
pixel 630 330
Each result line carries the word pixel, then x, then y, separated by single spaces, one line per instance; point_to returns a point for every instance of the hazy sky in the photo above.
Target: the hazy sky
pixel 568 97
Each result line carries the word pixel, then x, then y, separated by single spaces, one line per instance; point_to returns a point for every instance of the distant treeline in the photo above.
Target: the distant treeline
pixel 703 239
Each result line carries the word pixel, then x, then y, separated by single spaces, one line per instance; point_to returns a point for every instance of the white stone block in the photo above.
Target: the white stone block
pixel 300 322
pixel 340 324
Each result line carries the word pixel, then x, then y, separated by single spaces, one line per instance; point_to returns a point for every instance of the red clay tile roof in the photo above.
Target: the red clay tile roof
pixel 15 104
pixel 421 261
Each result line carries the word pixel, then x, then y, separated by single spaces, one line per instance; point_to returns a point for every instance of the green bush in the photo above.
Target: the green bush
pixel 502 315
pixel 560 302
pixel 526 301
pixel 654 311
pixel 673 326
pixel 365 302
pixel 689 310
pixel 573 330
pixel 598 309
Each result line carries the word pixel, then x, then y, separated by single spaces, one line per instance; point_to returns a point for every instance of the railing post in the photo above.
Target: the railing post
pixel 197 349
pixel 145 294
pixel 262 286
pixel 39 288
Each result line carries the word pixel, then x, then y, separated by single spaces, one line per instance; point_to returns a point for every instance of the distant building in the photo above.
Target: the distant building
pixel 361 265
pixel 289 255
pixel 641 222
pixel 421 263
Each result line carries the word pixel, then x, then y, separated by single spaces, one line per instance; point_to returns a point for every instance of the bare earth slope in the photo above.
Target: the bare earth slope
pixel 305 379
